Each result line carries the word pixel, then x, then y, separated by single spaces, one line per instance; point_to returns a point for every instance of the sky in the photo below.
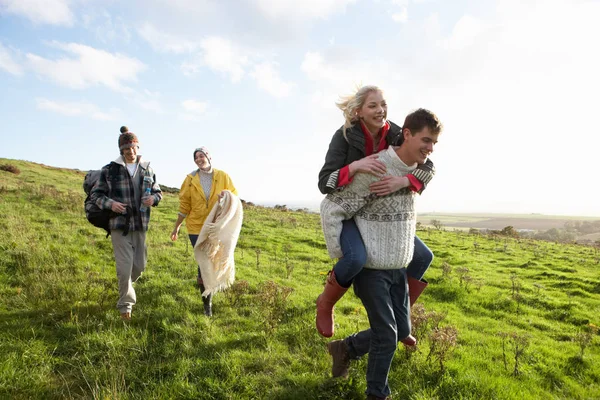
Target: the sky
pixel 515 83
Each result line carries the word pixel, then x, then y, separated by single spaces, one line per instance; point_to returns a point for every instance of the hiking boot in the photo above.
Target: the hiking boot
pixel 325 302
pixel 341 358
pixel 126 316
pixel 373 397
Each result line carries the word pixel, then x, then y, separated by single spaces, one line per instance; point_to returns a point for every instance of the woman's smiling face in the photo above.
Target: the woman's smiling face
pixel 374 111
pixel 201 160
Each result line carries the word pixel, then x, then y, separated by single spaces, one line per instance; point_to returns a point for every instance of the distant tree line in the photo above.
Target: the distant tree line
pixel 556 235
pixel 582 227
pixel 568 234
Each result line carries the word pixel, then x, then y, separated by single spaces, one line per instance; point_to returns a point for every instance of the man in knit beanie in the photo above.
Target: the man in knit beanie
pixel 387 225
pixel 127 139
pixel 128 187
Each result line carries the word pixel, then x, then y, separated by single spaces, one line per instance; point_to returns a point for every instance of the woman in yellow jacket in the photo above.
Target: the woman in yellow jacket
pixel 199 192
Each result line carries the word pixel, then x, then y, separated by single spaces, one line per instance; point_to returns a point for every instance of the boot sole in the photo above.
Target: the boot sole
pixel 345 376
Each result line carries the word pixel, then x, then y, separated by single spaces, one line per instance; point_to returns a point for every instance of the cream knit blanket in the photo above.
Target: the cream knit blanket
pixel 216 243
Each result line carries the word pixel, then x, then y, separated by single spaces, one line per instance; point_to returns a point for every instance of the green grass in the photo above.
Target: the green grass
pixel 61 336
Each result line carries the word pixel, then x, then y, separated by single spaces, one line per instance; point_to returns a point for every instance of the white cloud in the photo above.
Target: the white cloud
pixel 219 54
pixel 147 100
pixel 88 67
pixel 333 70
pixel 222 55
pixel 465 33
pixel 194 106
pixel 331 76
pixel 53 12
pixel 7 62
pixel 107 28
pixel 193 8
pixel 314 67
pixel 166 43
pixel 197 111
pixel 401 16
pixel 268 79
pixel 307 9
pixel 76 109
pixel 190 68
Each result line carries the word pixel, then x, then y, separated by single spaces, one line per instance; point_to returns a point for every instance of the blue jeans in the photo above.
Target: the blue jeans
pixel 384 294
pixel 355 256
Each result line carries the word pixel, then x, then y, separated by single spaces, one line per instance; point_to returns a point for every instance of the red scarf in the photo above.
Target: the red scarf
pixel 369 139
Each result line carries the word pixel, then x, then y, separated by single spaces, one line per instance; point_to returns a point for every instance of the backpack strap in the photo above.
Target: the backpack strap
pixel 128 213
pixel 113 171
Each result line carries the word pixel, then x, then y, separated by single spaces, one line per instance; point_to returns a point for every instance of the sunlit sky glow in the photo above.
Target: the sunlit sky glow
pixel 515 83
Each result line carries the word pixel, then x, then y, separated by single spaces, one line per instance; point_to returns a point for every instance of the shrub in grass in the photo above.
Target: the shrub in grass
pixel 423 321
pixel 514 345
pixel 10 168
pixel 237 291
pixel 272 299
pixel 442 341
pixel 585 337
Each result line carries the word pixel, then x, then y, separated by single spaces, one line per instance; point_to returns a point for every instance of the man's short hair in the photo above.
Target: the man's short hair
pixel 421 118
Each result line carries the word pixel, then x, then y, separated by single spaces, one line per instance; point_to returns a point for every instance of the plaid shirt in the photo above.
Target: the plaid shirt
pixel 121 189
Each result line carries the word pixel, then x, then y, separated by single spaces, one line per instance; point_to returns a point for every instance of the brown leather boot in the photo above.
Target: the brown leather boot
pixel 415 288
pixel 341 359
pixel 325 302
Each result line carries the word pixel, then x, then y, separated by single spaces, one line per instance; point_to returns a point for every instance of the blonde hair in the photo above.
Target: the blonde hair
pixel 352 103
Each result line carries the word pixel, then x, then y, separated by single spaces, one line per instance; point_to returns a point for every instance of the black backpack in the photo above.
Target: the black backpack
pixel 96 216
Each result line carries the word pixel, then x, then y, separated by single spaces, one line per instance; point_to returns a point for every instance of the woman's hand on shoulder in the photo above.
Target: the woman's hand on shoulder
pixel 389 184
pixel 370 165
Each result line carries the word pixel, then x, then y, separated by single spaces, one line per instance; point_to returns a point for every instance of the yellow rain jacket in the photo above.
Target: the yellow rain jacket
pixel 193 202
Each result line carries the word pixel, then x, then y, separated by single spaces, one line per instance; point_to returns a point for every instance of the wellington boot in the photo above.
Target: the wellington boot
pixel 206 300
pixel 325 302
pixel 415 288
pixel 207 305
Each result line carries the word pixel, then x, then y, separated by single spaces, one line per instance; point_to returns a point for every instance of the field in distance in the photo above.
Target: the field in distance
pixel 536 222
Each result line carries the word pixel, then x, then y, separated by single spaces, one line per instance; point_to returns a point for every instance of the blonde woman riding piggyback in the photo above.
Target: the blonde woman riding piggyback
pixel 353 148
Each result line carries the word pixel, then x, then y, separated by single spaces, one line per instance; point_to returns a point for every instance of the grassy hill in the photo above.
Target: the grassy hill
pixel 501 319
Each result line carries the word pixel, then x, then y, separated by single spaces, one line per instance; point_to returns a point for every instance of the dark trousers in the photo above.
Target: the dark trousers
pixel 384 294
pixel 193 239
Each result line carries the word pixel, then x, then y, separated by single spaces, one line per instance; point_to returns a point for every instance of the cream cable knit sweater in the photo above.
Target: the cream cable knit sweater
pixel 387 224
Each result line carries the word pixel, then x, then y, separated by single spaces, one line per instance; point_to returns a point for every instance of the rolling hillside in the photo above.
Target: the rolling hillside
pixel 502 318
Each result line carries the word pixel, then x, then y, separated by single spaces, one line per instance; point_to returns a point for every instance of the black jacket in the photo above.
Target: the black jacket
pixel 345 150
